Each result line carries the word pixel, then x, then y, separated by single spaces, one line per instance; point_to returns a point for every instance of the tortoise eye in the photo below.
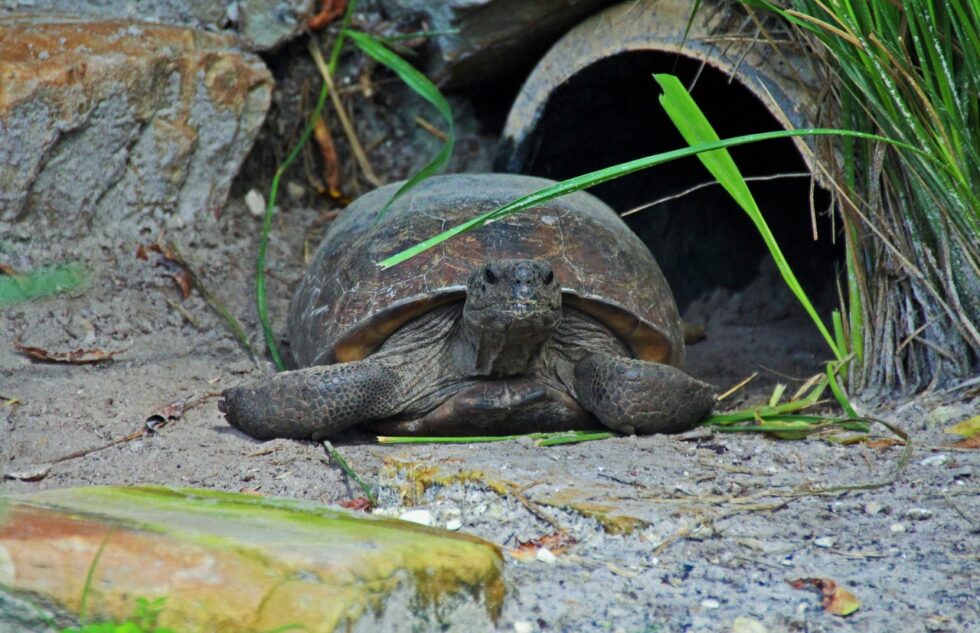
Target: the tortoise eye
pixel 549 277
pixel 490 275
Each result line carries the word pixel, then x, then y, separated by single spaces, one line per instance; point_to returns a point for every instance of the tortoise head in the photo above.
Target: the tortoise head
pixel 512 308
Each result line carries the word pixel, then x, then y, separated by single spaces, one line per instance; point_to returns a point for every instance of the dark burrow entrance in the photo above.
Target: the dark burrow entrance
pixel 709 250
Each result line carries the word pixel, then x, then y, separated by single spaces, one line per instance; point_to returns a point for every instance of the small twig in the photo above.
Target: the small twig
pixel 338 459
pixel 533 508
pixel 216 304
pixel 738 386
pixel 703 185
pixel 184 313
pixel 685 531
pixel 145 430
pixel 966 517
pixel 345 122
pixel 431 129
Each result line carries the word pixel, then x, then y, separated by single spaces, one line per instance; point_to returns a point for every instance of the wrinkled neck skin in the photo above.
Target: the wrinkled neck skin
pixel 498 343
pixel 512 308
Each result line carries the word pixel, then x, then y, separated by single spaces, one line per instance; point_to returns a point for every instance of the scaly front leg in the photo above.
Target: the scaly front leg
pixel 642 397
pixel 315 402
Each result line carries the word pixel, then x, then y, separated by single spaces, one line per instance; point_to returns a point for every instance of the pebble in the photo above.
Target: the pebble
pixel 710 603
pixel 421 517
pixel 919 514
pixel 544 555
pixel 453 524
pixel 255 203
pixel 295 190
pixel 897 528
pixel 523 626
pixel 743 624
pixel 825 541
pixel 935 460
pixel 872 508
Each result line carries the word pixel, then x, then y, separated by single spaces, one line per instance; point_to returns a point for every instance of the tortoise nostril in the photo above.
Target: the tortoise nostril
pixel 549 277
pixel 523 273
pixel 490 275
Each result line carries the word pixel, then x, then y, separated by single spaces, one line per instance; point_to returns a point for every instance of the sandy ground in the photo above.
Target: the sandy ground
pixel 721 521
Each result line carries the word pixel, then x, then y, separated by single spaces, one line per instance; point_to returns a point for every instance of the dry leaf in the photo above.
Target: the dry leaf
pixel 330 10
pixel 37 473
pixel 836 599
pixel 884 442
pixel 167 413
pixel 331 164
pixel 73 357
pixel 163 255
pixel 358 504
pixel 9 270
pixel 556 542
pixel 973 442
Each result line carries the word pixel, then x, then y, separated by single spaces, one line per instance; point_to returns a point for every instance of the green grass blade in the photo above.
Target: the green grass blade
pixel 270 208
pixel 616 171
pixel 695 128
pixel 89 577
pixel 425 89
pixel 41 283
pixel 540 439
pixel 832 370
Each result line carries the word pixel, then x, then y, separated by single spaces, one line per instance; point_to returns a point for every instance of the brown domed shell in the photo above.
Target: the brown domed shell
pixel 346 305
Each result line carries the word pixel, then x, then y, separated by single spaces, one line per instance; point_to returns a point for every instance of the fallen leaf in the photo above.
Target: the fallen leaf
pixel 167 413
pixel 330 10
pixel 164 256
pixel 358 504
pixel 73 357
pixel 967 428
pixel 556 543
pixel 973 442
pixel 9 270
pixel 884 442
pixel 36 473
pixel 331 164
pixel 836 599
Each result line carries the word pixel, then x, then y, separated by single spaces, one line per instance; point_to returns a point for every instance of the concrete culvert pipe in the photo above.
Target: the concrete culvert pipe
pixel 592 102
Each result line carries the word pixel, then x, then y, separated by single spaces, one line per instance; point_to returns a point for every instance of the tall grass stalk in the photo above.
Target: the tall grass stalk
pixel 911 71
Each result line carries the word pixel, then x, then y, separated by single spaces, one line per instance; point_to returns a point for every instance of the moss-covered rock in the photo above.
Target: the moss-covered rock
pixel 238 563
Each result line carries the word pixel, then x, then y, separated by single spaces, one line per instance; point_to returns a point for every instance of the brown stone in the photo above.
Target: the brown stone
pixel 234 563
pixel 259 24
pixel 122 118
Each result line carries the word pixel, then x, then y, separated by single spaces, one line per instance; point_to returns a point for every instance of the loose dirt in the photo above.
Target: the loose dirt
pixel 667 533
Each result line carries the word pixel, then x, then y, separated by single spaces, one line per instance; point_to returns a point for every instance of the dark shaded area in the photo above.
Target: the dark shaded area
pixel 609 113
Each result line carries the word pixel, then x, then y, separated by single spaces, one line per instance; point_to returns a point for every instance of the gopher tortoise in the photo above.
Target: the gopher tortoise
pixel 553 319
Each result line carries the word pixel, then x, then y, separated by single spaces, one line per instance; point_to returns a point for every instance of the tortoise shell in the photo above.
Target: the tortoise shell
pixel 346 305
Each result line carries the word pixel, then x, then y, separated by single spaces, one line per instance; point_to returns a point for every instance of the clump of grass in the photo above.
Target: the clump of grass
pixel 143 620
pixel 378 49
pixel 16 287
pixel 911 71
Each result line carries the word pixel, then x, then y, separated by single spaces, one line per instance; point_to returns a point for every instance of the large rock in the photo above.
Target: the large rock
pixel 232 563
pixel 121 118
pixel 491 38
pixel 261 24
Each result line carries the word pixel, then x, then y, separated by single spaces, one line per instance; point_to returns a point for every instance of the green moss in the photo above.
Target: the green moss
pixel 288 551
